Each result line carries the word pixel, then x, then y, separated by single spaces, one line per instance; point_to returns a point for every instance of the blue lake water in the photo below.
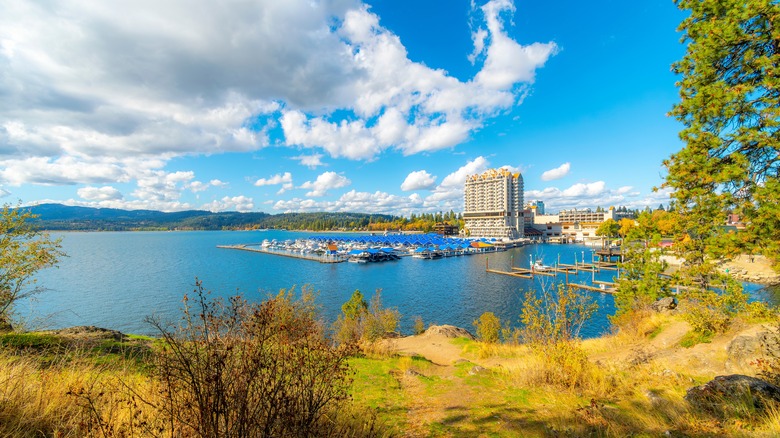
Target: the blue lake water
pixel 115 280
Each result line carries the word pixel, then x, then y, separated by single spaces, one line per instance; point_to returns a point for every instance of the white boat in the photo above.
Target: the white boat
pixel 539 266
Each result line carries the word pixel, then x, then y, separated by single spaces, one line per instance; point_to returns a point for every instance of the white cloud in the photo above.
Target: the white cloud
pixel 311 161
pixel 458 178
pixel 198 186
pixel 285 180
pixel 557 173
pixel 354 201
pixel 418 180
pixel 324 182
pixel 580 189
pixel 507 62
pixel 98 93
pixel 105 193
pixel 235 203
pixel 410 107
pixel 275 180
pixel 61 171
pixel 596 194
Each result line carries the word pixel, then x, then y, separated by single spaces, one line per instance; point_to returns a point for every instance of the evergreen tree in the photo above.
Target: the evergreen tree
pixel 730 108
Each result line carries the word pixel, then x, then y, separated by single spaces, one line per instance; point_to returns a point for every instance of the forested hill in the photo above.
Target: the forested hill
pixel 63 217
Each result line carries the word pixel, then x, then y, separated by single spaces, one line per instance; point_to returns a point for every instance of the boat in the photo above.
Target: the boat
pixel 539 266
pixel 357 260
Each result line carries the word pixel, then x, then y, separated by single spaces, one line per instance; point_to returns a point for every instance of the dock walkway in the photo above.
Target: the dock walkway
pixel 291 254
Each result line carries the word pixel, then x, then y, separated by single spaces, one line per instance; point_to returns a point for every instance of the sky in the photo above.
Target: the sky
pixel 376 106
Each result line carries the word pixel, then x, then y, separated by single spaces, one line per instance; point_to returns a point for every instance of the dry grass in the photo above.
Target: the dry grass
pixel 522 392
pixel 51 400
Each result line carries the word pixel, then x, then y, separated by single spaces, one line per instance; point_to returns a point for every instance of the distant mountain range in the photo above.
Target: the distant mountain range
pixel 64 217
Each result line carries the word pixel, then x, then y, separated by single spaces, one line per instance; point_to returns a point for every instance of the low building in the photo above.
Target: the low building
pixel 445 229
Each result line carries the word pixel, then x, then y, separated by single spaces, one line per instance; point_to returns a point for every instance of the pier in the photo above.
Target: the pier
pixel 322 258
pixel 606 287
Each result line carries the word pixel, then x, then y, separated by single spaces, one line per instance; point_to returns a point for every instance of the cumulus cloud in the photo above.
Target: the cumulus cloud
pixel 409 106
pixel 324 182
pixel 418 180
pixel 199 186
pixel 507 62
pixel 311 161
pixel 98 94
pixel 235 203
pixel 354 201
pixel 595 194
pixel 557 173
pixel 105 193
pixel 275 180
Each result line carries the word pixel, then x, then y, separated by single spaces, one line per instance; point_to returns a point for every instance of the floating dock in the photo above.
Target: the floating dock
pixel 291 254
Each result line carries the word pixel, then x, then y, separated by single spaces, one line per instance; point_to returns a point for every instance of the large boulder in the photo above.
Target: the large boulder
pixel 724 395
pixel 448 331
pixel 666 304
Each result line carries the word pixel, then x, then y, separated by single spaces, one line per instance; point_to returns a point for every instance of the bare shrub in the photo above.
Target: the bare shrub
pixel 553 317
pixel 551 326
pixel 235 369
pixel 419 325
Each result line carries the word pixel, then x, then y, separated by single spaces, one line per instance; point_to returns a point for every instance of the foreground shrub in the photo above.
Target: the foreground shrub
pixel 551 325
pixel 235 369
pixel 488 327
pixel 364 322
pixel 711 311
pixel 553 317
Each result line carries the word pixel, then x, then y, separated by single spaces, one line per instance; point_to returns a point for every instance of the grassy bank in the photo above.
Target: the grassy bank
pixel 632 383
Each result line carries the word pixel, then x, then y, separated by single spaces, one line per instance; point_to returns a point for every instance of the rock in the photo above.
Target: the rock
pixel 448 331
pixel 477 370
pixel 743 350
pixel 665 304
pixel 90 332
pixel 413 373
pixel 724 395
pixel 654 399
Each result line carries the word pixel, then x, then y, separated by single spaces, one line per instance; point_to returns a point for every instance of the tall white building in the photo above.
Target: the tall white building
pixel 494 204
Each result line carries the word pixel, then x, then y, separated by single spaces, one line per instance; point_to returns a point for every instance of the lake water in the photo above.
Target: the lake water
pixel 115 280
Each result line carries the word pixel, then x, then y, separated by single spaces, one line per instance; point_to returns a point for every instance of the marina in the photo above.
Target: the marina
pixel 372 248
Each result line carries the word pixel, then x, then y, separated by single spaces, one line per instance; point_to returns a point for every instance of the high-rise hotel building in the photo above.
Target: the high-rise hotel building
pixel 494 204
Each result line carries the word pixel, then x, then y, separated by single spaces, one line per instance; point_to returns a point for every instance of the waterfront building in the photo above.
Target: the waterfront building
pixel 575 225
pixel 536 205
pixel 494 204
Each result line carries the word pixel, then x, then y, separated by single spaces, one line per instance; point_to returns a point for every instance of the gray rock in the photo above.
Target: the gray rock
pixel 477 370
pixel 723 395
pixel 665 304
pixel 741 351
pixel 744 350
pixel 449 331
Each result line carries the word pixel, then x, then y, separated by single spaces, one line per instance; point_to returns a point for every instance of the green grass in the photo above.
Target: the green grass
pixel 376 387
pixel 692 339
pixel 657 331
pixel 31 341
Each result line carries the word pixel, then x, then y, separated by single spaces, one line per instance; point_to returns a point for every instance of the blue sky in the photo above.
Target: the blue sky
pixel 379 106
